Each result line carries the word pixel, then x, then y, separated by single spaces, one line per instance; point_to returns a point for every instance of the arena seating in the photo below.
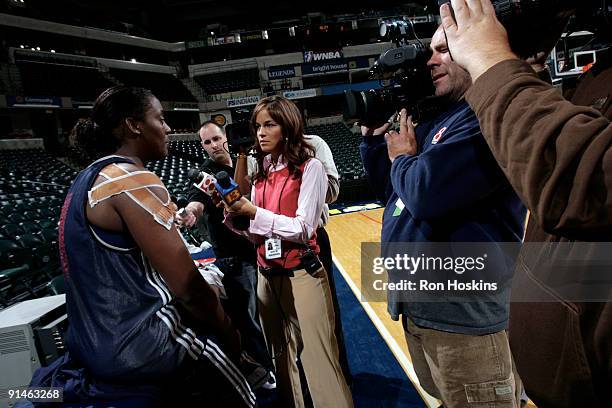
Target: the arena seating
pixel 54 79
pixel 221 82
pixel 37 166
pixel 166 87
pixel 327 79
pixel 46 74
pixel 189 149
pixel 33 185
pixel 343 143
pixel 172 170
pixel 344 146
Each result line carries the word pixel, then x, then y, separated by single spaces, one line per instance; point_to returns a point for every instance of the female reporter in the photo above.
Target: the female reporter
pixel 294 297
pixel 143 322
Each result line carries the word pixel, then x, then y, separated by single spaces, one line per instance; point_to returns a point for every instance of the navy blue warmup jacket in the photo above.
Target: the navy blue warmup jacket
pixel 451 191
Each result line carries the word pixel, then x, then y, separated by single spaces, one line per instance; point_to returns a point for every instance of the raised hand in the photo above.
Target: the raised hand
pixel 476 39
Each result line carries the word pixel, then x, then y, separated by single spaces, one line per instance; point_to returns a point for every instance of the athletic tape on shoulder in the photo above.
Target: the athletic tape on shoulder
pixel 136 185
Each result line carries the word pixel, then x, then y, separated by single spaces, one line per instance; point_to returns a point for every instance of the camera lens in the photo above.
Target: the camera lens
pixel 371 108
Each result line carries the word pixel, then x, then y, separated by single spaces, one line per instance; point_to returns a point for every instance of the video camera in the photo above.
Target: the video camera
pixel 239 137
pixel 532 26
pixel 408 81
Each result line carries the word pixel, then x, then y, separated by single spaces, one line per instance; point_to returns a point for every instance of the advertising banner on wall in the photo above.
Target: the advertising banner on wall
pixel 34 101
pixel 247 100
pixel 281 72
pixel 314 56
pixel 324 67
pixel 302 93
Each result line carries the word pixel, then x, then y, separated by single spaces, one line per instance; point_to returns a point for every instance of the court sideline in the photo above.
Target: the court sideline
pixel 347 232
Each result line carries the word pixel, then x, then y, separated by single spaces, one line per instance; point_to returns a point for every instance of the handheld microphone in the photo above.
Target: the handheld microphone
pixel 194 175
pixel 229 191
pixel 202 181
pixel 181 203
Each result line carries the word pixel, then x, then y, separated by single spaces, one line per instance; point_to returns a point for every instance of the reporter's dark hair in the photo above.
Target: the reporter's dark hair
pixel 296 150
pixel 97 136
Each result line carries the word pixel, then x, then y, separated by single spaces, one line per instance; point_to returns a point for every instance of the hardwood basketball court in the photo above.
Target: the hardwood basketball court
pixel 347 231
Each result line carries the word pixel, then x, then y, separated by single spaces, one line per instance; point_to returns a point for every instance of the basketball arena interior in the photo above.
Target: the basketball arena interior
pixel 342 64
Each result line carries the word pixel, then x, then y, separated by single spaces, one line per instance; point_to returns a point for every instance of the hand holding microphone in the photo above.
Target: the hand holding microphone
pixel 234 202
pixel 189 212
pixel 185 218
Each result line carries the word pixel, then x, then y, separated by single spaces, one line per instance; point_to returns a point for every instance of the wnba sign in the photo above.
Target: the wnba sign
pixel 311 56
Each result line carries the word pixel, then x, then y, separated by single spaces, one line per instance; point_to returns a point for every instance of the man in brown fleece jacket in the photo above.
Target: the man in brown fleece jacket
pixel 558 157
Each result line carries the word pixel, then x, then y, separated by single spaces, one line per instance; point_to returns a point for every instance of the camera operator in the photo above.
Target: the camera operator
pixel 557 157
pixel 235 255
pixel 441 184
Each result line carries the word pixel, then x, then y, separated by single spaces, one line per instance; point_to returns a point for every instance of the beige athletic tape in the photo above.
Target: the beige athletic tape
pixel 137 186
